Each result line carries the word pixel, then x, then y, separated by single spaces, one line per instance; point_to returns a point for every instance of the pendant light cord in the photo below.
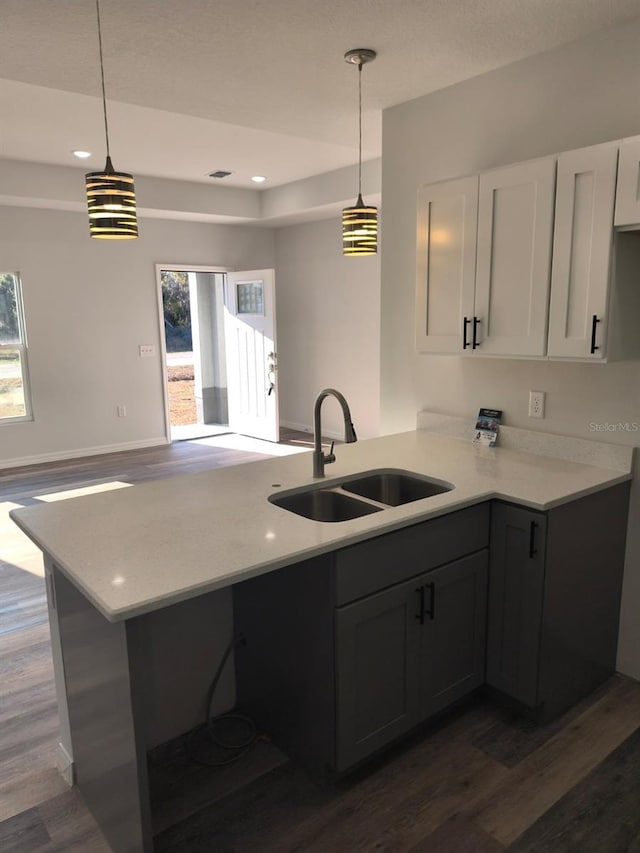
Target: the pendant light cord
pixel 360 128
pixel 104 96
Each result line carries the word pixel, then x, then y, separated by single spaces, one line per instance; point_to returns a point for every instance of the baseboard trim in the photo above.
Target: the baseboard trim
pixel 297 427
pixel 338 436
pixel 65 765
pixel 59 456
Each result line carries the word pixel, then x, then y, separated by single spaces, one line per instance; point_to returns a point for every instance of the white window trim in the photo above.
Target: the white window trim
pixel 22 348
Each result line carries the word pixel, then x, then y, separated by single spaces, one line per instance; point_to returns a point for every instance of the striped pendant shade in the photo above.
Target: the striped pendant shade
pixel 111 201
pixel 359 229
pixel 360 222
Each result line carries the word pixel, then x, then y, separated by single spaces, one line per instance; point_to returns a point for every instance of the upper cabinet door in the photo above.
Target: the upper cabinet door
pixel 628 191
pixel 515 225
pixel 582 252
pixel 446 264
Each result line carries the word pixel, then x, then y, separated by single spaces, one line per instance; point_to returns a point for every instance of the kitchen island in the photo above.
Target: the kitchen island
pixel 116 559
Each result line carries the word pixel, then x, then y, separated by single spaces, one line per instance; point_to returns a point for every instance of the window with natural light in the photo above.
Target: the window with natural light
pixel 15 404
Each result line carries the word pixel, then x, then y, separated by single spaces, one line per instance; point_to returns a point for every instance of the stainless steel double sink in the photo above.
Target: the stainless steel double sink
pixel 376 490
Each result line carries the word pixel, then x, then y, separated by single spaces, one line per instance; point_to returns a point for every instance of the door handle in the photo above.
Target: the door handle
pixel 532 540
pixel 420 614
pixel 476 323
pixel 432 602
pixel 465 323
pixel 594 323
pixel 271 380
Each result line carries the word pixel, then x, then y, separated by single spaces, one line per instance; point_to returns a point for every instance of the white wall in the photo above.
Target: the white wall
pixel 328 317
pixel 89 304
pixel 330 190
pixel 25 184
pixel 571 97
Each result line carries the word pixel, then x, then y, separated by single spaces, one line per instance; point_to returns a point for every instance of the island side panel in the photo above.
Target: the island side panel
pixel 65 751
pixel 285 672
pixel 182 646
pixel 109 756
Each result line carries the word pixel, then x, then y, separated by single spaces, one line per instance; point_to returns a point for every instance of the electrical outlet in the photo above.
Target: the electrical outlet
pixel 146 350
pixel 536 404
pixel 122 411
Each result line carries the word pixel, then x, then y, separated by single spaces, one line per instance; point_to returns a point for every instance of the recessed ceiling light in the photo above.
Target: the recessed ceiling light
pixel 258 179
pixel 81 154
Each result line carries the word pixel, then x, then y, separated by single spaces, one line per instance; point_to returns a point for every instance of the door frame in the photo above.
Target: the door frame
pixel 211 268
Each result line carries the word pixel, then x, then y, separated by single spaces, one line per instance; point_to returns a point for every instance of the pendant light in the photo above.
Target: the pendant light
pixel 360 222
pixel 111 197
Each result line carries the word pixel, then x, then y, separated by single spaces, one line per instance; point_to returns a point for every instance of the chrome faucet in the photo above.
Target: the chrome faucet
pixel 320 459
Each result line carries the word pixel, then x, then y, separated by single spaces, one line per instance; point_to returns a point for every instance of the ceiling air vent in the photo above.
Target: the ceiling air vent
pixel 220 173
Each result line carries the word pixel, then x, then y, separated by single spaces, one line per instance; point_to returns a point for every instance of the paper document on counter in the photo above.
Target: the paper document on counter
pixel 487 425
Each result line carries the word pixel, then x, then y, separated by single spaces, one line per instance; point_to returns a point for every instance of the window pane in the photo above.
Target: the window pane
pixel 9 310
pixel 250 297
pixel 12 393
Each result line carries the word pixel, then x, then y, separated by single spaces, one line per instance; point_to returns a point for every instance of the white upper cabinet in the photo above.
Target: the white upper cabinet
pixel 519 261
pixel 628 190
pixel 583 233
pixel 446 264
pixel 515 228
pixel 483 259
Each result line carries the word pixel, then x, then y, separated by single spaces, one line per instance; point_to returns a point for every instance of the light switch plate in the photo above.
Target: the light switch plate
pixel 146 350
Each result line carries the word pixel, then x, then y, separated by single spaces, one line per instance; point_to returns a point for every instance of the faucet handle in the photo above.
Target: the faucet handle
pixel 330 456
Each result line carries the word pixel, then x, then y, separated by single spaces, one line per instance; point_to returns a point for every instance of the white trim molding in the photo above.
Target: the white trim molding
pixel 65 765
pixel 58 456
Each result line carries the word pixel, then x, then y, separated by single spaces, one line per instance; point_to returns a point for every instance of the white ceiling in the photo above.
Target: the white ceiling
pixel 252 86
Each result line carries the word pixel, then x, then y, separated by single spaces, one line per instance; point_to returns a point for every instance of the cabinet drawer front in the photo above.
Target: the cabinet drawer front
pixel 370 566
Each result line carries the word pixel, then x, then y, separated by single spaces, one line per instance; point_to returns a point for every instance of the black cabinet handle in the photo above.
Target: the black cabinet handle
pixel 476 323
pixel 432 607
pixel 420 615
pixel 465 323
pixel 532 540
pixel 594 323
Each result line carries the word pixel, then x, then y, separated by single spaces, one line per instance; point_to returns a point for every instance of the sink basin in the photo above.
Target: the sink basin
pixel 395 487
pixel 323 505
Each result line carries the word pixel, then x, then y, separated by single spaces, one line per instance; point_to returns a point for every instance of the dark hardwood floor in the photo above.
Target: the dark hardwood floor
pixel 480 780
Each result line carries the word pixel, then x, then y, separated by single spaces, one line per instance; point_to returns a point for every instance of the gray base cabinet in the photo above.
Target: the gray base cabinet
pixel 453 646
pixel 406 653
pixel 347 652
pixel 377 671
pixel 555 583
pixel 515 601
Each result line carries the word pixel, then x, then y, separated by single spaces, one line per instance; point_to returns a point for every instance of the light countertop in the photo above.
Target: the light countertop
pixel 137 549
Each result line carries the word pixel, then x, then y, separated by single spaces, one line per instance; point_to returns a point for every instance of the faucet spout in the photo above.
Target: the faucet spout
pixel 320 459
